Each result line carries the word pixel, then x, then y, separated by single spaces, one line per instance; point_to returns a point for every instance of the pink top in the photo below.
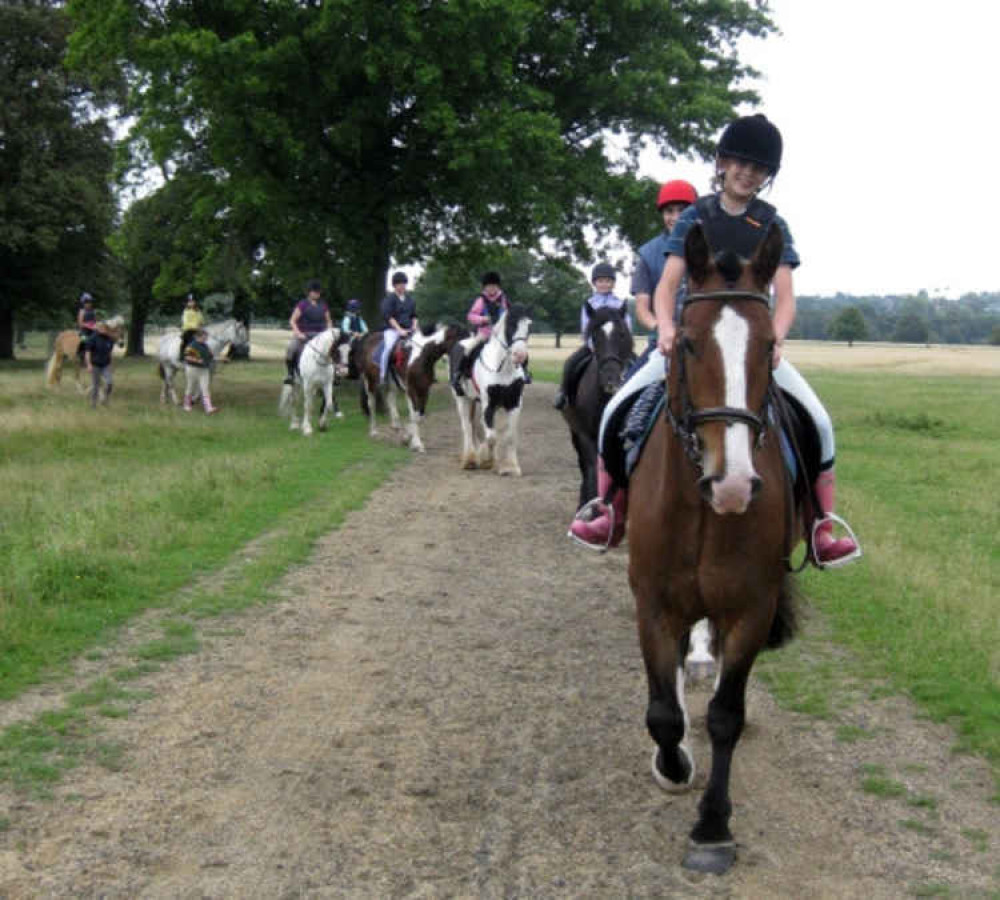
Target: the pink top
pixel 479 313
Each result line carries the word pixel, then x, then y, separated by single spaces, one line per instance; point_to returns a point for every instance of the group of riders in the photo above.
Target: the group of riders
pixel 734 218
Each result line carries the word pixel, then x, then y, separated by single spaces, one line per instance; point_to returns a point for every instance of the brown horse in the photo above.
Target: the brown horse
pixel 413 369
pixel 712 534
pixel 66 345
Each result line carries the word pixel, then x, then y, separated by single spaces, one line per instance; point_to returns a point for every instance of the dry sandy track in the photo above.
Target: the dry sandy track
pixel 448 701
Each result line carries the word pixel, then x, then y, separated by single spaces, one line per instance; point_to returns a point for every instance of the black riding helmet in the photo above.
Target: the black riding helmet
pixel 399 278
pixel 314 285
pixel 602 270
pixel 752 138
pixel 491 278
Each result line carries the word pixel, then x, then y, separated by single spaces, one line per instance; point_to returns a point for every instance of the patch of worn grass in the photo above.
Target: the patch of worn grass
pixel 918 827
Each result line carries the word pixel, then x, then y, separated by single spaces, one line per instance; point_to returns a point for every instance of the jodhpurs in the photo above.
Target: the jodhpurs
pixel 197 377
pixel 390 336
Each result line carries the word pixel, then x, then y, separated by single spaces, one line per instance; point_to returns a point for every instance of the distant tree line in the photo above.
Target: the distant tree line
pixel 910 319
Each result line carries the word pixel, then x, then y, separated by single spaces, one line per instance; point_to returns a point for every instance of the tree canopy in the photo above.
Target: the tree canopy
pixel 347 133
pixel 56 206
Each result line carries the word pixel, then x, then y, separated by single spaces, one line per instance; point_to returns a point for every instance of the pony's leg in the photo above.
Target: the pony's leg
pixel 370 393
pixel 391 402
pixel 307 398
pixel 711 840
pixel 488 447
pixel 414 427
pixel 464 407
pixel 324 417
pixel 700 664
pixel 661 640
pixel 507 455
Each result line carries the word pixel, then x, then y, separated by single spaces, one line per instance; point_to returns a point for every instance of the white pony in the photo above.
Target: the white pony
pixel 318 369
pixel 229 331
pixel 496 383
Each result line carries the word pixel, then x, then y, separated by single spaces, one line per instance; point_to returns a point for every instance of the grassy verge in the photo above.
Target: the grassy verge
pixel 917 462
pixel 108 513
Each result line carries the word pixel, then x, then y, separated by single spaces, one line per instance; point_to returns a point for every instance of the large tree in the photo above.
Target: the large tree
pixel 352 132
pixel 56 204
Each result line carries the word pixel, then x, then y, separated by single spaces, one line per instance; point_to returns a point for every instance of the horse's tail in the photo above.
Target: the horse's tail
pixel 785 623
pixel 53 370
pixel 285 402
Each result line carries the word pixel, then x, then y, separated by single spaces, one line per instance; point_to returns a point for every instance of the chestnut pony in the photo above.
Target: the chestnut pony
pixel 712 534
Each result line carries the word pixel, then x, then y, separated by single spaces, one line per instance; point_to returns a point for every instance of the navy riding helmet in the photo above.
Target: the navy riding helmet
pixel 754 139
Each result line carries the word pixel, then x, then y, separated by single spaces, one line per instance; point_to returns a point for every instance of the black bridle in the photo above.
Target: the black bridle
pixel 685 424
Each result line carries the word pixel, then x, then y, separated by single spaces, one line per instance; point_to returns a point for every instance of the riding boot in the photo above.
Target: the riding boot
pixel 606 529
pixel 206 400
pixel 187 403
pixel 831 551
pixel 290 366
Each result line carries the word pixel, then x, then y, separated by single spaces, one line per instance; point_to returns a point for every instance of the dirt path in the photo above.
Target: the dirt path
pixel 448 701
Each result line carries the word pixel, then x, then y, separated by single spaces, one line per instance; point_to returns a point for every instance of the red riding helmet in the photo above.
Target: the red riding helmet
pixel 676 192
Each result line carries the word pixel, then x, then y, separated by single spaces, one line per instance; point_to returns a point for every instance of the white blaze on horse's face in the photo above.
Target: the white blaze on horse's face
pixel 733 489
pixel 518 346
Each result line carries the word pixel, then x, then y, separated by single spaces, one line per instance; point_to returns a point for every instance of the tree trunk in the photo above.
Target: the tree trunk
pixel 375 277
pixel 136 330
pixel 6 332
pixel 558 339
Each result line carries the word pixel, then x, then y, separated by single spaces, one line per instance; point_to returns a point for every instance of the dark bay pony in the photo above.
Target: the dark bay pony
pixel 713 524
pixel 413 367
pixel 612 351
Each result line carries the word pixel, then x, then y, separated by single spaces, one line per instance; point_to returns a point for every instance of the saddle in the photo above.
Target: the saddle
pixel 397 364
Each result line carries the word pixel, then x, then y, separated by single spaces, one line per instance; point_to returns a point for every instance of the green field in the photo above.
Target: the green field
pixel 107 513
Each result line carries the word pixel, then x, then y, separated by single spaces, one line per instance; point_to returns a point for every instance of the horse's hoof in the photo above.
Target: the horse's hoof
pixel 674 787
pixel 323 427
pixel 714 859
pixel 510 470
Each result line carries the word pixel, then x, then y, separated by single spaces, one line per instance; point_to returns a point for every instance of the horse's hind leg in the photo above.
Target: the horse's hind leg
pixel 700 664
pixel 666 715
pixel 711 840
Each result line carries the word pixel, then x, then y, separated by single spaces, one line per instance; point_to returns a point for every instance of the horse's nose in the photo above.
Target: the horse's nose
pixel 728 495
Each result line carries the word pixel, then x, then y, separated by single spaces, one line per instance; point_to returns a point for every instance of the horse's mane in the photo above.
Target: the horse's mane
pixel 511 317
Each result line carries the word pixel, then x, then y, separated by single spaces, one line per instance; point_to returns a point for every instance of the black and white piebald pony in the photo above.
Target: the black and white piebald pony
pixel 318 370
pixel 496 385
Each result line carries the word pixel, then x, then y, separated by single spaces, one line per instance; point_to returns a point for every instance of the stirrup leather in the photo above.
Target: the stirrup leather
pixel 844 560
pixel 595 506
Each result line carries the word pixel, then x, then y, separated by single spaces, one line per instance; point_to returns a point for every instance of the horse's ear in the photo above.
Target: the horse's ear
pixel 766 260
pixel 697 254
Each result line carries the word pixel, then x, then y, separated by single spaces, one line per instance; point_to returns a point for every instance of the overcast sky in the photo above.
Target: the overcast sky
pixel 891 126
